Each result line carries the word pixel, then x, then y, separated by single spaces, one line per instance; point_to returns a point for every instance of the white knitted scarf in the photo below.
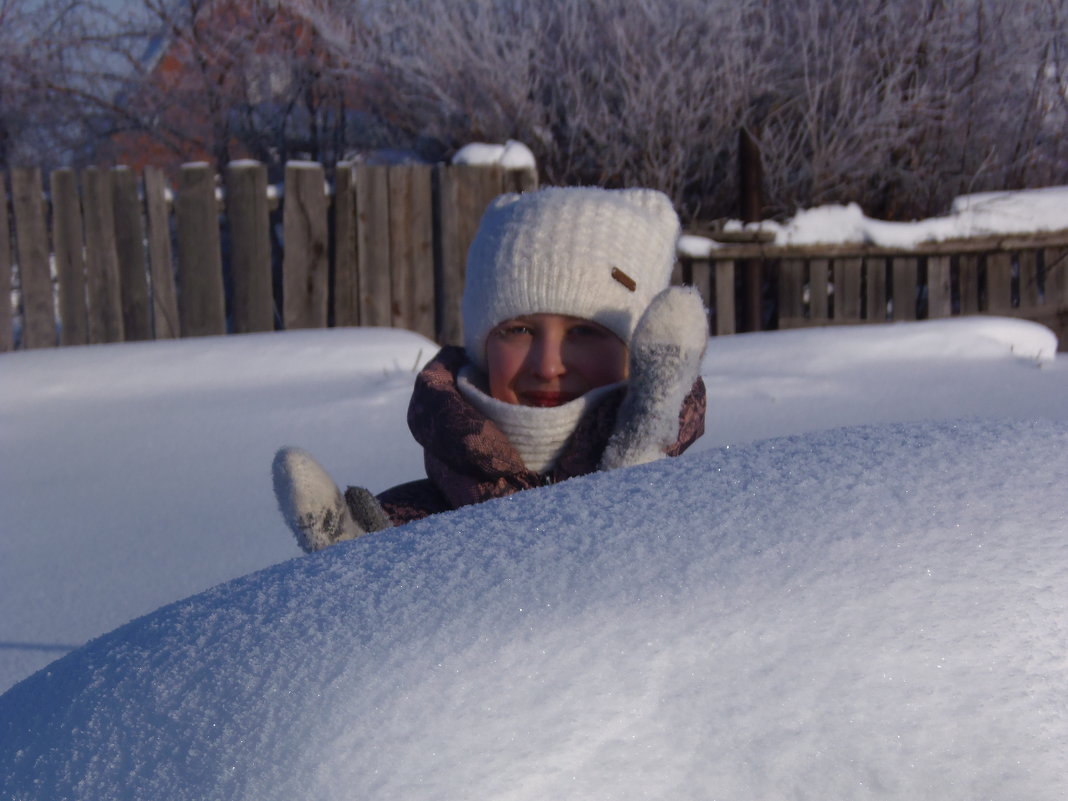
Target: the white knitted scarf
pixel 538 433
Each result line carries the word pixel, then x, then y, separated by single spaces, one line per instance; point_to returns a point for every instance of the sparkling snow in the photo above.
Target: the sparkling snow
pixel 854 586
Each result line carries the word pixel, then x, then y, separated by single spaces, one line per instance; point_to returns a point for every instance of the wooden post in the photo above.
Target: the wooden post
pixel 373 258
pixel 165 323
pixel 69 248
pixel 35 280
pixel 875 291
pixel 939 295
pixel 905 280
pixel 847 289
pixel 305 263
pixel 998 282
pixel 202 303
pixel 751 209
pixel 130 246
pixel 346 269
pixel 7 335
pixel 248 220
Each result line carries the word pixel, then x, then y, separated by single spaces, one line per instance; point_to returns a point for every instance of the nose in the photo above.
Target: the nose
pixel 547 357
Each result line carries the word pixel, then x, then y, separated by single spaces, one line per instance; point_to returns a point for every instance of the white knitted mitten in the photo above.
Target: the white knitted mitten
pixel 665 361
pixel 310 502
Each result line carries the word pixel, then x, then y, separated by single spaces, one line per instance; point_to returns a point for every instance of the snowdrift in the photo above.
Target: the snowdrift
pixel 875 611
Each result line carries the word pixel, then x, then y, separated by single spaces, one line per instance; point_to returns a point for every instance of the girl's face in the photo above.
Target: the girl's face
pixel 550 359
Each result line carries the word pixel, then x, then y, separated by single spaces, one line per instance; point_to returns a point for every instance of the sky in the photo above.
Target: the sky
pixel 852 586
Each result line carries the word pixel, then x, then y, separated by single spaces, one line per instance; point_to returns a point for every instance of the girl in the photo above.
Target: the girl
pixel 577 357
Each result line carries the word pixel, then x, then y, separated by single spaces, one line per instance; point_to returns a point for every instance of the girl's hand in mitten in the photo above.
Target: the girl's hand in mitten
pixel 665 361
pixel 313 506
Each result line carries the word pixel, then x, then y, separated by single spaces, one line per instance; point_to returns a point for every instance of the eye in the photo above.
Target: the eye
pixel 582 330
pixel 513 329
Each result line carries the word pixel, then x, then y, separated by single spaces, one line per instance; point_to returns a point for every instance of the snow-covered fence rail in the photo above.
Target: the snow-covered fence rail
pixel 127 257
pixel 814 285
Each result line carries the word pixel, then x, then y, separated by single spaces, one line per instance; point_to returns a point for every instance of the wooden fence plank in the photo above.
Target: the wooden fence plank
pixel 401 268
pixel 374 259
pixel 35 279
pixel 847 289
pixel 248 220
pixel 699 275
pixel 791 289
pixel 305 262
pixel 519 181
pixel 411 248
pixel 726 312
pixel 464 193
pixel 1030 296
pixel 7 334
pixel 939 295
pixel 346 285
pixel 165 323
pixel 998 282
pixel 101 258
pixel 423 298
pixel 202 305
pixel 875 289
pixel 69 249
pixel 818 271
pixel 130 247
pixel 450 281
pixel 968 275
pixel 1056 270
pixel 905 276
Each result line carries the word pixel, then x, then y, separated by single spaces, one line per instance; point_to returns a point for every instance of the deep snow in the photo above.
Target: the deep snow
pixel 871 611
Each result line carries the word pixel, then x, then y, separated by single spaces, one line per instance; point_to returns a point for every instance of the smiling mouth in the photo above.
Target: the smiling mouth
pixel 546 398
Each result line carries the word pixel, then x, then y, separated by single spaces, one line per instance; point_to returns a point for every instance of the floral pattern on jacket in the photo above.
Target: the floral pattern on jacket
pixel 469 460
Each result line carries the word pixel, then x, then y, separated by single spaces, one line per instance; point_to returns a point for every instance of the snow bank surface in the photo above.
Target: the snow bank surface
pixel 791 609
pixel 872 612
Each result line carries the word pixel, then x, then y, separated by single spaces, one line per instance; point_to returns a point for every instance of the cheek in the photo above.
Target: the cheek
pixel 605 364
pixel 502 366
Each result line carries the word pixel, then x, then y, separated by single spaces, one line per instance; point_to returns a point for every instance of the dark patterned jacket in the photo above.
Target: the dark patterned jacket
pixel 469 460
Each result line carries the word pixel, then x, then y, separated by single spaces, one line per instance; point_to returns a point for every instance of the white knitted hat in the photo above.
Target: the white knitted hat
pixel 598 254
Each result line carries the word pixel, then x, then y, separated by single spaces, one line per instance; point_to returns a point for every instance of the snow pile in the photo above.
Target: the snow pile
pixel 512 155
pixel 138 474
pixel 874 612
pixel 976 215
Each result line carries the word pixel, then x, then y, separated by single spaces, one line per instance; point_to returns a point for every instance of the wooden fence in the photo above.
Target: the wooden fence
pixel 123 258
pixel 1016 276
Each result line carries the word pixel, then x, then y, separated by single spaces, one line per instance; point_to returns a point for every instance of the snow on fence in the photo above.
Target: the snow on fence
pixel 126 258
pixel 816 285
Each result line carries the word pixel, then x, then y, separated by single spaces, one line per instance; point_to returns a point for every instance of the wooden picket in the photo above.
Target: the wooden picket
pixel 69 249
pixel 248 222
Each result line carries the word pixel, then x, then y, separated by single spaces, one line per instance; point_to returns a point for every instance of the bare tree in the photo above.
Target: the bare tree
pixel 896 104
